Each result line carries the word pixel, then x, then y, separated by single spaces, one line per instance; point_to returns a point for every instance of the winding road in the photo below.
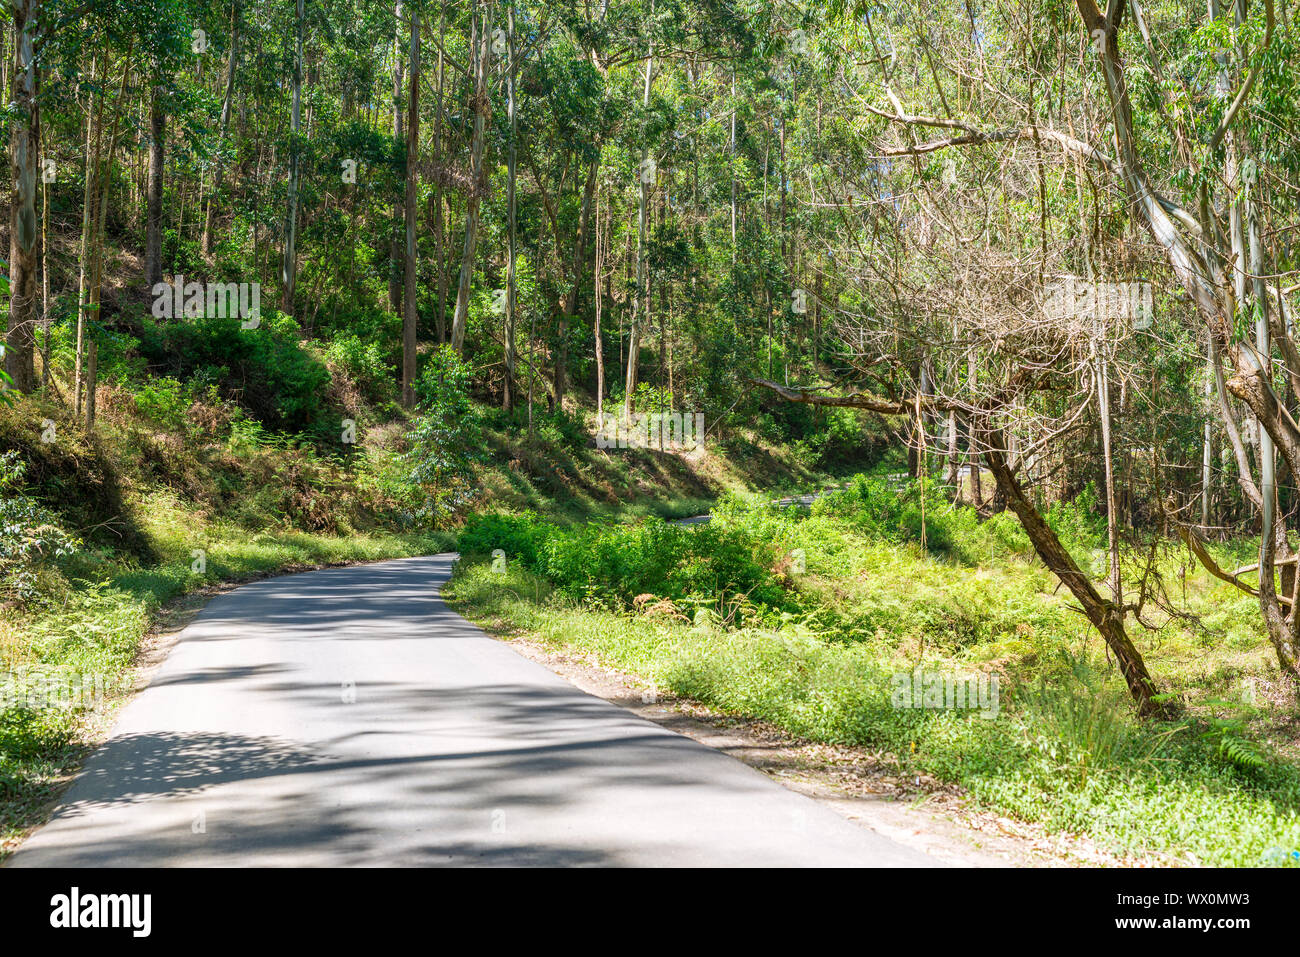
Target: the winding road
pixel 347 717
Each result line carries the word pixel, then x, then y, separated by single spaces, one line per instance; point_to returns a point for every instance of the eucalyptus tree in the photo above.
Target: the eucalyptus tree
pixel 410 317
pixel 37 24
pixel 232 65
pixel 170 40
pixel 481 42
pixel 939 299
pixel 1182 129
pixel 1214 236
pixel 289 268
pixel 512 209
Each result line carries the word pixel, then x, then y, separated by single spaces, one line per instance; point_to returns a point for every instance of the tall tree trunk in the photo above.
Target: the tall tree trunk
pixel 435 197
pixel 94 118
pixel 45 285
pixel 601 241
pixel 570 310
pixel 154 192
pixel 1207 449
pixel 733 166
pixel 477 179
pixel 512 210
pixel 1194 264
pixel 104 181
pixel 1112 510
pixel 642 279
pixel 24 234
pixel 976 477
pixel 410 316
pixel 92 383
pixel 218 168
pixel 972 451
pixel 289 270
pixel 950 453
pixel 399 136
pixel 1270 545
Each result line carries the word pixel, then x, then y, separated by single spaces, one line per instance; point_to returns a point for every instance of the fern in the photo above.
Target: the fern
pixel 1240 753
pixel 1227 737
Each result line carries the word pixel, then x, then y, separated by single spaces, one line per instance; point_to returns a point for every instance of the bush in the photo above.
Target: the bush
pixel 833 438
pixel 365 363
pixel 446 439
pixel 181 253
pixel 165 401
pixel 521 537
pixel 870 503
pixel 30 535
pixel 892 512
pixel 693 563
pixel 265 369
pixel 27 733
pixel 562 429
pixel 1080 521
pixel 1066 750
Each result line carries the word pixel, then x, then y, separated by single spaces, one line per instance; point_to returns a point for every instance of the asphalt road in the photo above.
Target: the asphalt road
pixel 348 717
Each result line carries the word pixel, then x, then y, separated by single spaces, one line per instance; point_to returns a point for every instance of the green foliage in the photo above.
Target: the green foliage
pixel 899 510
pixel 1230 740
pixel 711 564
pixel 838 437
pixel 366 363
pixel 165 401
pixel 1079 520
pixel 445 439
pixel 667 561
pixel 27 733
pixel 30 736
pixel 1077 723
pixel 30 536
pixel 180 253
pixel 521 537
pixel 265 369
pixel 1065 749
pixel 98 628
pixel 769 178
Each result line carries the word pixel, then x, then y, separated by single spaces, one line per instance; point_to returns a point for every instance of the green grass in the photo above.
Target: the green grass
pixel 1220 786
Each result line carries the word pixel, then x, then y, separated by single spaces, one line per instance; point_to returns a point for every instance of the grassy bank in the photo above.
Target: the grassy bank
pixel 722 615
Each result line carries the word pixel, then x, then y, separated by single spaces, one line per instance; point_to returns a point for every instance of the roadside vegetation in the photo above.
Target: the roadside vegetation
pixel 720 614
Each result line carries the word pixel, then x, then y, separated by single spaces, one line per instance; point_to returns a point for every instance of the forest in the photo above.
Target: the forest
pixel 1009 291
